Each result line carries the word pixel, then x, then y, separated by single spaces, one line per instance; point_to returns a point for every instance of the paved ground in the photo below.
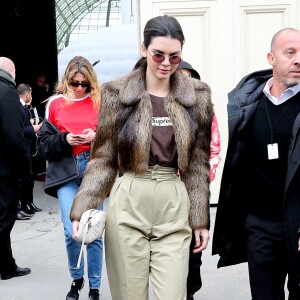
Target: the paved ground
pixel 39 244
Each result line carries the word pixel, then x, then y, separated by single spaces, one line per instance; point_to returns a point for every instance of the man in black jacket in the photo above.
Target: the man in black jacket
pixel 258 214
pixel 26 185
pixel 14 163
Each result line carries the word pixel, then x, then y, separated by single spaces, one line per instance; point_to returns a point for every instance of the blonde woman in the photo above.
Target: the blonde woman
pixel 65 141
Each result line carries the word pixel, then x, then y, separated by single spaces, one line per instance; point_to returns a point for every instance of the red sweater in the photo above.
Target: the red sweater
pixel 73 117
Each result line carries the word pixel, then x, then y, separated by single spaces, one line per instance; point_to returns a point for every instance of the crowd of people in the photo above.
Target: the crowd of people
pixel 149 143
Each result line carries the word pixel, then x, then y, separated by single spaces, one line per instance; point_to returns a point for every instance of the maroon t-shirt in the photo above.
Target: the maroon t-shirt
pixel 163 150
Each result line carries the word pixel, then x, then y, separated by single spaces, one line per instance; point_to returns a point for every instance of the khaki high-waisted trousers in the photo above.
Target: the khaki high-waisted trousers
pixel 147 236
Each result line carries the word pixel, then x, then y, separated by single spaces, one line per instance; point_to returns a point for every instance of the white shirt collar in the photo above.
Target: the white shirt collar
pixel 285 95
pixel 22 102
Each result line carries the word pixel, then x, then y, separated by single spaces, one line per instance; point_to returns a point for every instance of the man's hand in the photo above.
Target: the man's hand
pixel 37 128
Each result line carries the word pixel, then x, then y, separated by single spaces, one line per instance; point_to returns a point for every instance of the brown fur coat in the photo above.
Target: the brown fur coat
pixel 123 138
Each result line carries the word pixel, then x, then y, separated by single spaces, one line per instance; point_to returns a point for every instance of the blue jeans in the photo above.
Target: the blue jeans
pixel 66 194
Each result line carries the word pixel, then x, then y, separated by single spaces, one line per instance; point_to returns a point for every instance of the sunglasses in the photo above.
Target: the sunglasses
pixel 78 83
pixel 159 58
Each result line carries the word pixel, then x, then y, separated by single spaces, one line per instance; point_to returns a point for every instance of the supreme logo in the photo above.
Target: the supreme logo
pixel 161 121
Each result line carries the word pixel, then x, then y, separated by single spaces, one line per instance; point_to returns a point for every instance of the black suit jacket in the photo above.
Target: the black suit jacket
pixel 14 157
pixel 29 133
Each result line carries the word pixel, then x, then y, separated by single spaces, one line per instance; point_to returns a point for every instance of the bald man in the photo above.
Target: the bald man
pixel 258 214
pixel 14 163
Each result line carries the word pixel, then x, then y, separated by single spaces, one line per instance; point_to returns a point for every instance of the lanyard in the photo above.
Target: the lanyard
pixel 272 127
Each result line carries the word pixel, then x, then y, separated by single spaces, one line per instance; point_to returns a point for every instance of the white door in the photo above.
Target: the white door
pixel 225 40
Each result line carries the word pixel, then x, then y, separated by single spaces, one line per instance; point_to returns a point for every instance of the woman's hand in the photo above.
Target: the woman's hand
pixel 75 225
pixel 201 239
pixel 74 139
pixel 86 137
pixel 89 134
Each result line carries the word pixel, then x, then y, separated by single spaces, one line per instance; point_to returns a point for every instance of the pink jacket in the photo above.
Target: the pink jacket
pixel 215 148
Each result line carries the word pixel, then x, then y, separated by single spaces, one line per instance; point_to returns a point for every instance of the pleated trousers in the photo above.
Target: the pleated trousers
pixel 147 236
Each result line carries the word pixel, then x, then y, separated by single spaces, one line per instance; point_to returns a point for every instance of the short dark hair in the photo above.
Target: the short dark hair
pixel 23 88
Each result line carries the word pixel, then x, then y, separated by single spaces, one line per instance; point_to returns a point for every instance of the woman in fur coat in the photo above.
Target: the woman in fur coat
pixel 155 128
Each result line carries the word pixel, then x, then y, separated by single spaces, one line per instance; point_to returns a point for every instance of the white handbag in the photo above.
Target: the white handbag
pixel 91 227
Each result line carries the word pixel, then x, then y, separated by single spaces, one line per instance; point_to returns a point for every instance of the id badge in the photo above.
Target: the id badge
pixel 273 151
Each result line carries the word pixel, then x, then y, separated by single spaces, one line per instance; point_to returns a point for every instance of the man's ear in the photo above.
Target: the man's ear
pixel 271 58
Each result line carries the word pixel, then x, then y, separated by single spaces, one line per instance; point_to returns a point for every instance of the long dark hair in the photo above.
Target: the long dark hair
pixel 160 26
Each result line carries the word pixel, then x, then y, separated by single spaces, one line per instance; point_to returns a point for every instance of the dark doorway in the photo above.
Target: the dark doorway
pixel 28 37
